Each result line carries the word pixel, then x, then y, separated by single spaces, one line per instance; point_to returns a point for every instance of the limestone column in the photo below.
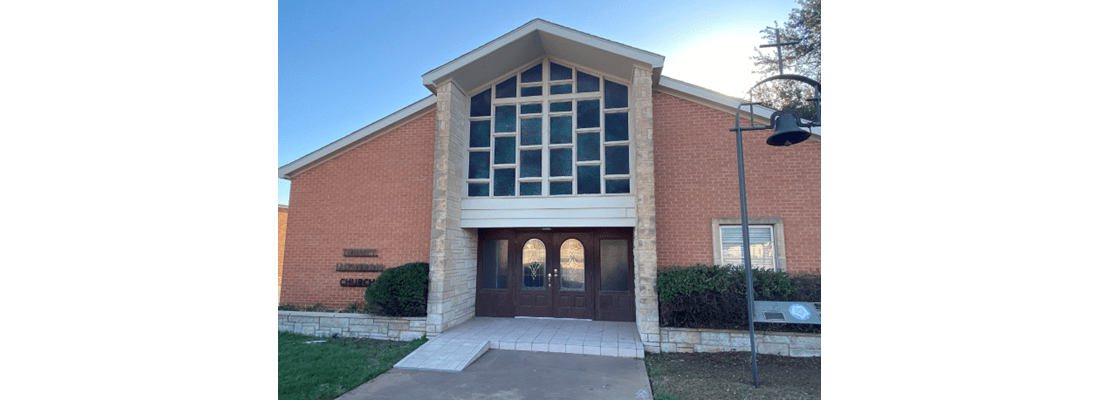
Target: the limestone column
pixel 645 228
pixel 453 258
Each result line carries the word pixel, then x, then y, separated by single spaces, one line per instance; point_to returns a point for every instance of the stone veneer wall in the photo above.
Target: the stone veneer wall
pixel 689 340
pixel 453 249
pixel 324 324
pixel 645 228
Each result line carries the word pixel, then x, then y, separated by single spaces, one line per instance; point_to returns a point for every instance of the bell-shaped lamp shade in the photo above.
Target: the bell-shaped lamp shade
pixel 787 131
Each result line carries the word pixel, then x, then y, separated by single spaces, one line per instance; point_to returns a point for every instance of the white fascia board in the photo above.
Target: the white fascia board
pixel 360 136
pixel 639 55
pixel 502 45
pixel 720 101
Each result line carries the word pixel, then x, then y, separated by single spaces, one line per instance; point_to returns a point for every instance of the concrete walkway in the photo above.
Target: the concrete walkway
pixel 458 347
pixel 510 374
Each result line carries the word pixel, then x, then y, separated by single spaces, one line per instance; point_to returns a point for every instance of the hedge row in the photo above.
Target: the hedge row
pixel 714 297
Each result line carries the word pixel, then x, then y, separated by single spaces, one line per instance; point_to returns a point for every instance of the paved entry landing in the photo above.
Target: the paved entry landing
pixel 458 347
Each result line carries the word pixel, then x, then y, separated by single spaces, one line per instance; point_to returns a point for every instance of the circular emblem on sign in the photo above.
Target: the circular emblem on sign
pixel 799 311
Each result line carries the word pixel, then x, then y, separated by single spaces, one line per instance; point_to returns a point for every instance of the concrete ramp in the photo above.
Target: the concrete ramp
pixel 445 354
pixel 460 346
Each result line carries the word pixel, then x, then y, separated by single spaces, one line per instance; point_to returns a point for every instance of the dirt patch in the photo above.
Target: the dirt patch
pixel 689 376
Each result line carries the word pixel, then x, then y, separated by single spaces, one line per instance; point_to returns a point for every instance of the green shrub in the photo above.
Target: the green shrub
pixel 714 297
pixel 400 291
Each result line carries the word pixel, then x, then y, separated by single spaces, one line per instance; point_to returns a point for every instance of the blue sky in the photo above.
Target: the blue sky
pixel 346 64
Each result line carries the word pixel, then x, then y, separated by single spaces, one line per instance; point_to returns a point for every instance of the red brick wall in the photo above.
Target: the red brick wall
pixel 282 241
pixel 695 163
pixel 376 196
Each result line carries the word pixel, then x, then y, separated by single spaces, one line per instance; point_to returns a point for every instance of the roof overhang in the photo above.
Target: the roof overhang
pixel 760 114
pixel 536 39
pixel 363 135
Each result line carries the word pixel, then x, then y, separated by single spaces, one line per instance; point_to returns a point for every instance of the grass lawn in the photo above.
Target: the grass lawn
pixel 690 376
pixel 324 371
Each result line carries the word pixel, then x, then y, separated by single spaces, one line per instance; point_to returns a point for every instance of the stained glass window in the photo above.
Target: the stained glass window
pixel 561 162
pixel 507 88
pixel 505 150
pixel 572 265
pixel 533 74
pixel 481 104
pixel 588 114
pixel 559 72
pixel 561 130
pixel 618 160
pixel 531 108
pixel 479 189
pixel 534 264
pixel 588 179
pixel 616 124
pixel 557 148
pixel 562 106
pixel 565 187
pixel 530 163
pixel 530 132
pixel 504 182
pixel 588 146
pixel 587 83
pixel 479 165
pixel 561 89
pixel 618 186
pixel 531 91
pixel 505 119
pixel 479 134
pixel 614 95
pixel 530 188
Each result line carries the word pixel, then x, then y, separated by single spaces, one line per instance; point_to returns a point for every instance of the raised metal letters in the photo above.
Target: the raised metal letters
pixel 360 252
pixel 360 267
pixel 356 282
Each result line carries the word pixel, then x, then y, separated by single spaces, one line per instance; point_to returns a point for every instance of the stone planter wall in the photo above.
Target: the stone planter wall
pixel 326 324
pixel 688 340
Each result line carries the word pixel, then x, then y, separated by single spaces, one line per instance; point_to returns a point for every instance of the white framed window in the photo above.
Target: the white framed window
pixel 550 128
pixel 765 242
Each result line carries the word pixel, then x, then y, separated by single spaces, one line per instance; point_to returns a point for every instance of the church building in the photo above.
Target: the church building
pixel 549 173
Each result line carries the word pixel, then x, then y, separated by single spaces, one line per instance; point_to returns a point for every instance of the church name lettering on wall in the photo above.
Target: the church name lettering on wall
pixel 360 267
pixel 360 252
pixel 356 282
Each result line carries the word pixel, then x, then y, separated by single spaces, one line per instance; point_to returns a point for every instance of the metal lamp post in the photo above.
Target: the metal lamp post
pixel 787 132
pixel 787 126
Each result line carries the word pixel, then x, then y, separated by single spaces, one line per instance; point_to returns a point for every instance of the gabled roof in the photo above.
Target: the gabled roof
pixel 507 53
pixel 356 138
pixel 536 39
pixel 712 99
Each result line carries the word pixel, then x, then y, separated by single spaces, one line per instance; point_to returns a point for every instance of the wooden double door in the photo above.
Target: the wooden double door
pixel 561 273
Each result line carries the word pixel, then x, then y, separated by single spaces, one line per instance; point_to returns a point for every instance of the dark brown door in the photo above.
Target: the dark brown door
pixel 494 274
pixel 571 275
pixel 562 273
pixel 534 286
pixel 614 249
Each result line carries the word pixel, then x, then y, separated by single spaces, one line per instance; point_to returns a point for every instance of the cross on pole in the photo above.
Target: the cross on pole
pixel 779 48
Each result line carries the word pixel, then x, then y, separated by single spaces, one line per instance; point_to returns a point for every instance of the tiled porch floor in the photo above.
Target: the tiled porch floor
pixel 456 348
